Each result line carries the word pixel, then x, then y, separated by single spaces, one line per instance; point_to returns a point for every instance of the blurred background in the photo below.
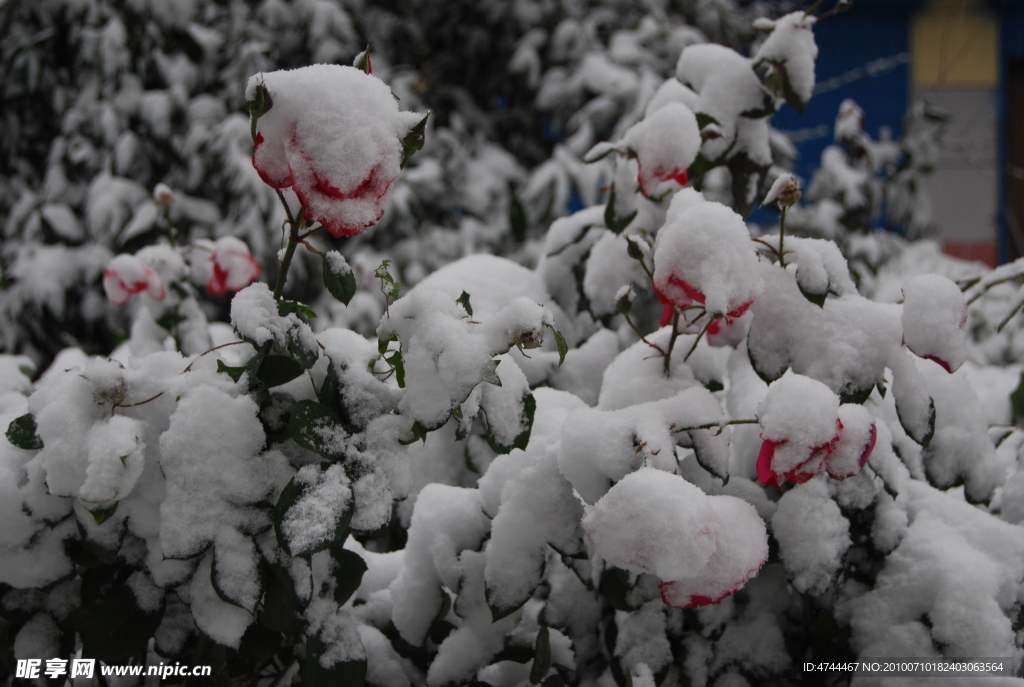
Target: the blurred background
pixel 103 99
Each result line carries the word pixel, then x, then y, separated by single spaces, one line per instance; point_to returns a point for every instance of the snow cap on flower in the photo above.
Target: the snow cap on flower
pixel 164 196
pixel 702 547
pixel 334 135
pixel 934 320
pixel 704 255
pixel 785 191
pixel 807 432
pixel 126 276
pixel 224 265
pixel 792 48
pixel 665 144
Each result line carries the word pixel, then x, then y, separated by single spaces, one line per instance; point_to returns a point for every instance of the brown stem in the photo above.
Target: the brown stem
pixel 697 340
pixel 211 350
pixel 644 338
pixel 132 405
pixel 672 342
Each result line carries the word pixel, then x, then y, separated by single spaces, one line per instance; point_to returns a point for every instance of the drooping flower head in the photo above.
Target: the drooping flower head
pixel 934 320
pixel 704 255
pixel 333 134
pixel 702 547
pixel 126 276
pixel 807 432
pixel 665 144
pixel 224 265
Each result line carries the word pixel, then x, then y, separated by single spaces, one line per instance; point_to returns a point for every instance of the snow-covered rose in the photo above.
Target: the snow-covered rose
pixel 126 276
pixel 665 144
pixel 934 320
pixel 807 432
pixel 224 265
pixel 704 255
pixel 702 547
pixel 333 134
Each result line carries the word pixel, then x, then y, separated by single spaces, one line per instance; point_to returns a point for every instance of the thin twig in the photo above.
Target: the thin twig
pixel 211 350
pixel 644 338
pixel 672 342
pixel 697 340
pixel 132 405
pixel 712 425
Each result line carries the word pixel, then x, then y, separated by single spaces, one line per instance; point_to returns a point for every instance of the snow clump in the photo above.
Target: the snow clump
pixel 333 134
pixel 702 547
pixel 704 254
pixel 934 320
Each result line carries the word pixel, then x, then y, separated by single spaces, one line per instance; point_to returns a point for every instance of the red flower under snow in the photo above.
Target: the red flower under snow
pixel 334 136
pixel 126 276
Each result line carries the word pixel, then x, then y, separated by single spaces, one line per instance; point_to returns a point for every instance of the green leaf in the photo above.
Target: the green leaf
pixel 342 674
pixel 523 438
pixel 362 61
pixel 259 643
pixel 516 218
pixel 1016 403
pixel 382 344
pixel 464 300
pixel 277 370
pixel 290 495
pixel 616 588
pixel 704 119
pixel 563 347
pixel 170 320
pixel 306 357
pixel 101 515
pixel 234 372
pixel 22 433
pixel 282 608
pixel 612 220
pixel 219 589
pixel 414 140
pixel 395 360
pixel 491 375
pixel 817 298
pixel 305 313
pixel 541 656
pixel 317 428
pixel 349 568
pixel 114 628
pixel 418 432
pixel 341 284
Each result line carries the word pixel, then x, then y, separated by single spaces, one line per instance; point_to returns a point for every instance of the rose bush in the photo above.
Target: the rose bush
pixel 464 494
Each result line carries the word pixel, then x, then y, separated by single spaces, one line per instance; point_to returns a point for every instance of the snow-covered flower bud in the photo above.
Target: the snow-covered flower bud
pixel 335 137
pixel 807 432
pixel 126 276
pixel 164 196
pixel 702 547
pixel 224 265
pixel 785 191
pixel 665 144
pixel 934 320
pixel 624 299
pixel 704 255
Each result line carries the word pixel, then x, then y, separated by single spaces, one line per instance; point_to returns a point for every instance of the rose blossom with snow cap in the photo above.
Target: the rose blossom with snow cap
pixel 703 548
pixel 934 320
pixel 807 432
pixel 224 265
pixel 665 144
pixel 333 134
pixel 704 255
pixel 126 276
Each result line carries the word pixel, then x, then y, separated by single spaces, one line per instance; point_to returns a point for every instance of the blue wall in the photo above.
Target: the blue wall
pixel 872 30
